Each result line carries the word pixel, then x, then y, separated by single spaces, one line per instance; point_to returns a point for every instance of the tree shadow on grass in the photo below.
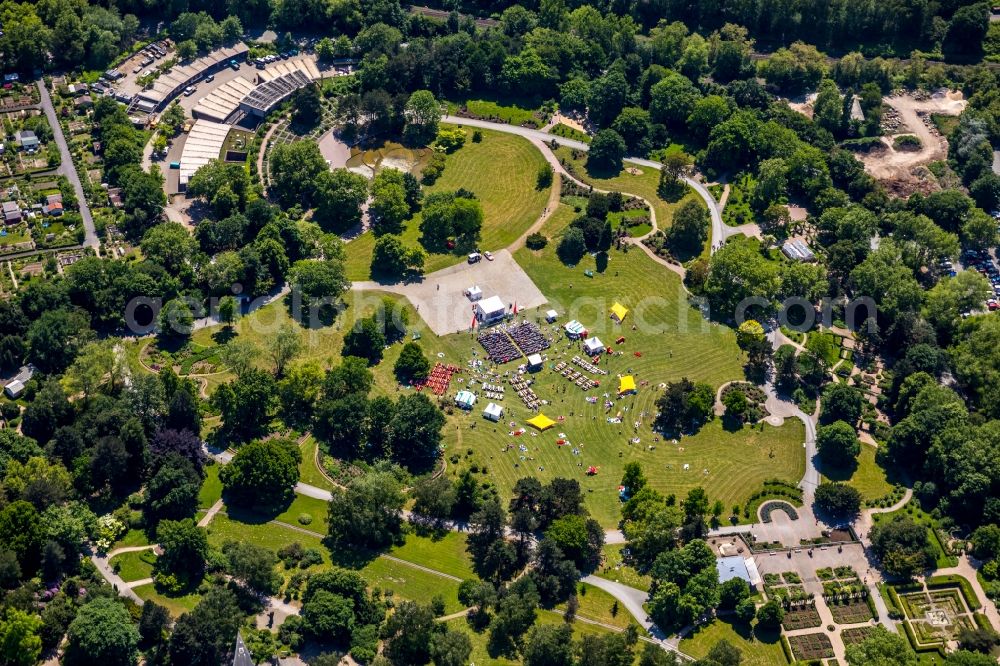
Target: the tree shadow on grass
pixel 255 515
pixel 732 423
pixel 838 473
pixel 312 314
pixel 352 558
pixel 224 335
pixel 601 261
pixel 601 171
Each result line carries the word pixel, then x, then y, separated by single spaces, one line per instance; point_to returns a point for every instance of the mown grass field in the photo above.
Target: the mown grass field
pixel 868 476
pixel 673 341
pixel 756 651
pixel 317 510
pixel 480 640
pixel 135 565
pixel 133 537
pixel 501 172
pixel 597 605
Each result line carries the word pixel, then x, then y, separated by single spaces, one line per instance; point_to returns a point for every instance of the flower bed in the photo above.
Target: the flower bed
pixel 811 646
pixel 803 617
pixel 856 634
pixel 777 505
pixel 852 611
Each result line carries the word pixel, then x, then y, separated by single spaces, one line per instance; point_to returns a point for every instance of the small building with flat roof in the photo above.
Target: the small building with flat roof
pixel 737 566
pixel 797 250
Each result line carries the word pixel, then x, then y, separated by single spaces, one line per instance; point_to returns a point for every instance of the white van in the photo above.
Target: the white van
pixel 475 257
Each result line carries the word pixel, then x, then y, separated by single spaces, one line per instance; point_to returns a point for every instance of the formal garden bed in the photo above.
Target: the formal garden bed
pixel 772 489
pixel 768 508
pixel 934 617
pixel 856 634
pixel 851 611
pixel 786 587
pixel 811 646
pixel 803 617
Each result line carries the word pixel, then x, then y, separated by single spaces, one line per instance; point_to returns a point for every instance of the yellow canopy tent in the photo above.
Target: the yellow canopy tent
pixel 626 384
pixel 542 422
pixel 619 312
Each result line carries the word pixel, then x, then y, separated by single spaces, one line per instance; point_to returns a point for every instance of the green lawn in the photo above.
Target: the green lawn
pixel 480 654
pixel 407 582
pixel 636 230
pixel 308 471
pixel 133 537
pixel 211 488
pixel 755 652
pixel 825 345
pixel 613 569
pixel 301 504
pixel 226 528
pixel 446 554
pixel 135 565
pixel 501 172
pixel 643 184
pixel 176 605
pixel 598 605
pixel 868 476
pixel 674 342
pixel 508 112
pixel 738 210
pixel 568 132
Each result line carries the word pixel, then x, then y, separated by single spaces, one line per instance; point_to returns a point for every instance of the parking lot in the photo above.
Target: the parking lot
pixel 129 83
pixel 983 261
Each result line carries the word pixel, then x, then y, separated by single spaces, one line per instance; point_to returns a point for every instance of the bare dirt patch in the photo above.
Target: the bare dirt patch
pixel 903 170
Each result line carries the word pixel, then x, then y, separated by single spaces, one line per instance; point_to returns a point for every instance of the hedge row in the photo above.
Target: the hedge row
pixel 951 580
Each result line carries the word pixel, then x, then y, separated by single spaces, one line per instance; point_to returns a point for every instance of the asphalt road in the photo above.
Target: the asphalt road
pixel 718 228
pixel 68 169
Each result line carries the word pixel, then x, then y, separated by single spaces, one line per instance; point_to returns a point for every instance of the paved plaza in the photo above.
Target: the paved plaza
pixel 440 299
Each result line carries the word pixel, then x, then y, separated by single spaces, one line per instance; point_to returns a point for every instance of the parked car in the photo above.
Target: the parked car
pixel 488 255
pixel 475 257
pixel 210 78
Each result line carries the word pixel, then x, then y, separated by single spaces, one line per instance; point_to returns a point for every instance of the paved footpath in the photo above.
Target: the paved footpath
pixel 719 233
pixel 68 169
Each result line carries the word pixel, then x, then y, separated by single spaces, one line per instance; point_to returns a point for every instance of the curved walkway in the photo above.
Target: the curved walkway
pixel 561 171
pixel 714 209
